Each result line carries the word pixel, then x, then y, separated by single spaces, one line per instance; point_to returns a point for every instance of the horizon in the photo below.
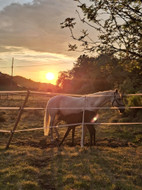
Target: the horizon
pixel 28 79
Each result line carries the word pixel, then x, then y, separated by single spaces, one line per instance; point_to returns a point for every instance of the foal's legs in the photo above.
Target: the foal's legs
pixel 66 134
pixel 73 133
pixel 94 135
pixel 92 132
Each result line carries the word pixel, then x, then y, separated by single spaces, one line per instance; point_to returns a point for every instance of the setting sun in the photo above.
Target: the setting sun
pixel 50 76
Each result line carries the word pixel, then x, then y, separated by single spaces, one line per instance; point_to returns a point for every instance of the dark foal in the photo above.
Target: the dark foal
pixel 77 118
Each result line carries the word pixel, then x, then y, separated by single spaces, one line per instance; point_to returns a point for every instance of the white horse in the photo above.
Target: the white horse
pixel 68 105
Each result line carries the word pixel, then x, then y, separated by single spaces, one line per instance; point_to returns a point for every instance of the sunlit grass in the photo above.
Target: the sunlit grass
pixel 115 163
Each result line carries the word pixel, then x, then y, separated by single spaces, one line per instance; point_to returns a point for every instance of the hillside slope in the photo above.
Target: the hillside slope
pixel 6 82
pixel 32 85
pixel 20 83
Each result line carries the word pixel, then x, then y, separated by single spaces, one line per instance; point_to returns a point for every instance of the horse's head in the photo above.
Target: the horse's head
pixel 117 101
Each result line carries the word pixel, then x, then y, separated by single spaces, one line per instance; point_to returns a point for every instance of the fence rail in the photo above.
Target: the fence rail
pixel 66 125
pixel 53 93
pixel 62 108
pixel 70 125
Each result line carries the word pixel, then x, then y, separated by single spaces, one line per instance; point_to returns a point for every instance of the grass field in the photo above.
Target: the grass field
pixel 32 163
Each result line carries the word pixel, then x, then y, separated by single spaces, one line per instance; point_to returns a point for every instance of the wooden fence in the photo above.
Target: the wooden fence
pixel 22 108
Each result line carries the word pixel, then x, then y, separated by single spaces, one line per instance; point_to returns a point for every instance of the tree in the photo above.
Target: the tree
pixel 64 81
pixel 119 24
pixel 92 74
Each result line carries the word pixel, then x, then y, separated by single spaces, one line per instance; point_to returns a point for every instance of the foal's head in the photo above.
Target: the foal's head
pixel 117 101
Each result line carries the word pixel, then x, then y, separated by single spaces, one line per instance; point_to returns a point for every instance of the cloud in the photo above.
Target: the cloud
pixel 4 3
pixel 32 60
pixel 9 49
pixel 36 26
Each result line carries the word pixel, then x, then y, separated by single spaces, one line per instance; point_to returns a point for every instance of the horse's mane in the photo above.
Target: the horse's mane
pixel 100 93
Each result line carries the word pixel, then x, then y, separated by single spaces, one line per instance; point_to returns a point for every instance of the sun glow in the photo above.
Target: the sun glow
pixel 50 76
pixel 95 118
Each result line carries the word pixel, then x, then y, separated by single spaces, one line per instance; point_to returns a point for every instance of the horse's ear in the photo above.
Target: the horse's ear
pixel 116 91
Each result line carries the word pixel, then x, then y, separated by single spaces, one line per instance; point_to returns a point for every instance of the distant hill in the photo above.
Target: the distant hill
pixel 6 83
pixel 32 85
pixel 20 83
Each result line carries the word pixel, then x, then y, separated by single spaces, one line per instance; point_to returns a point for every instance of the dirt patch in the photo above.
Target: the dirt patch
pixel 44 182
pixel 114 143
pixel 39 162
pixel 104 142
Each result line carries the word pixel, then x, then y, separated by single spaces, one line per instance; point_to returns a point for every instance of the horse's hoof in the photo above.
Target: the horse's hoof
pixel 52 142
pixel 57 139
pixel 60 144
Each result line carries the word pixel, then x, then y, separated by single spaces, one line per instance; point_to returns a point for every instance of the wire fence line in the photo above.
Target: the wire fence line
pixel 71 125
pixel 53 93
pixel 66 125
pixel 63 108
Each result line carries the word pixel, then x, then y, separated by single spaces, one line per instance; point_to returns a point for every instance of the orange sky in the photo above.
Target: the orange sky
pixel 30 32
pixel 35 65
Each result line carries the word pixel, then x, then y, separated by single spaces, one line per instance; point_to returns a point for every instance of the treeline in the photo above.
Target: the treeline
pixel 92 74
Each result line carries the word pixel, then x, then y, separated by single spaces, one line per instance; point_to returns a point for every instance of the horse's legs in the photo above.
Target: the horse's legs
pixel 56 130
pixel 51 129
pixel 73 133
pixel 57 133
pixel 66 134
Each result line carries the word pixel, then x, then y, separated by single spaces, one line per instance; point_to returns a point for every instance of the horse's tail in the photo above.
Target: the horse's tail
pixel 46 122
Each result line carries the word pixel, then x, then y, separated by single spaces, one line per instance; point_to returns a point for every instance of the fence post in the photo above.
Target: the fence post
pixel 18 119
pixel 83 115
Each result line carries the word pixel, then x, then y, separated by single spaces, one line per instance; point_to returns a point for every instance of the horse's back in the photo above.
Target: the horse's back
pixel 54 101
pixel 65 104
pixel 61 100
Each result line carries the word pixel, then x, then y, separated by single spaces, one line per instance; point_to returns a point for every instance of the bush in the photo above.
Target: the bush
pixel 134 101
pixel 134 114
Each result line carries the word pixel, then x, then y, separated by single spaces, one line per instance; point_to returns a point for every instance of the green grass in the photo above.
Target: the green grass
pixel 67 167
pixel 32 163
